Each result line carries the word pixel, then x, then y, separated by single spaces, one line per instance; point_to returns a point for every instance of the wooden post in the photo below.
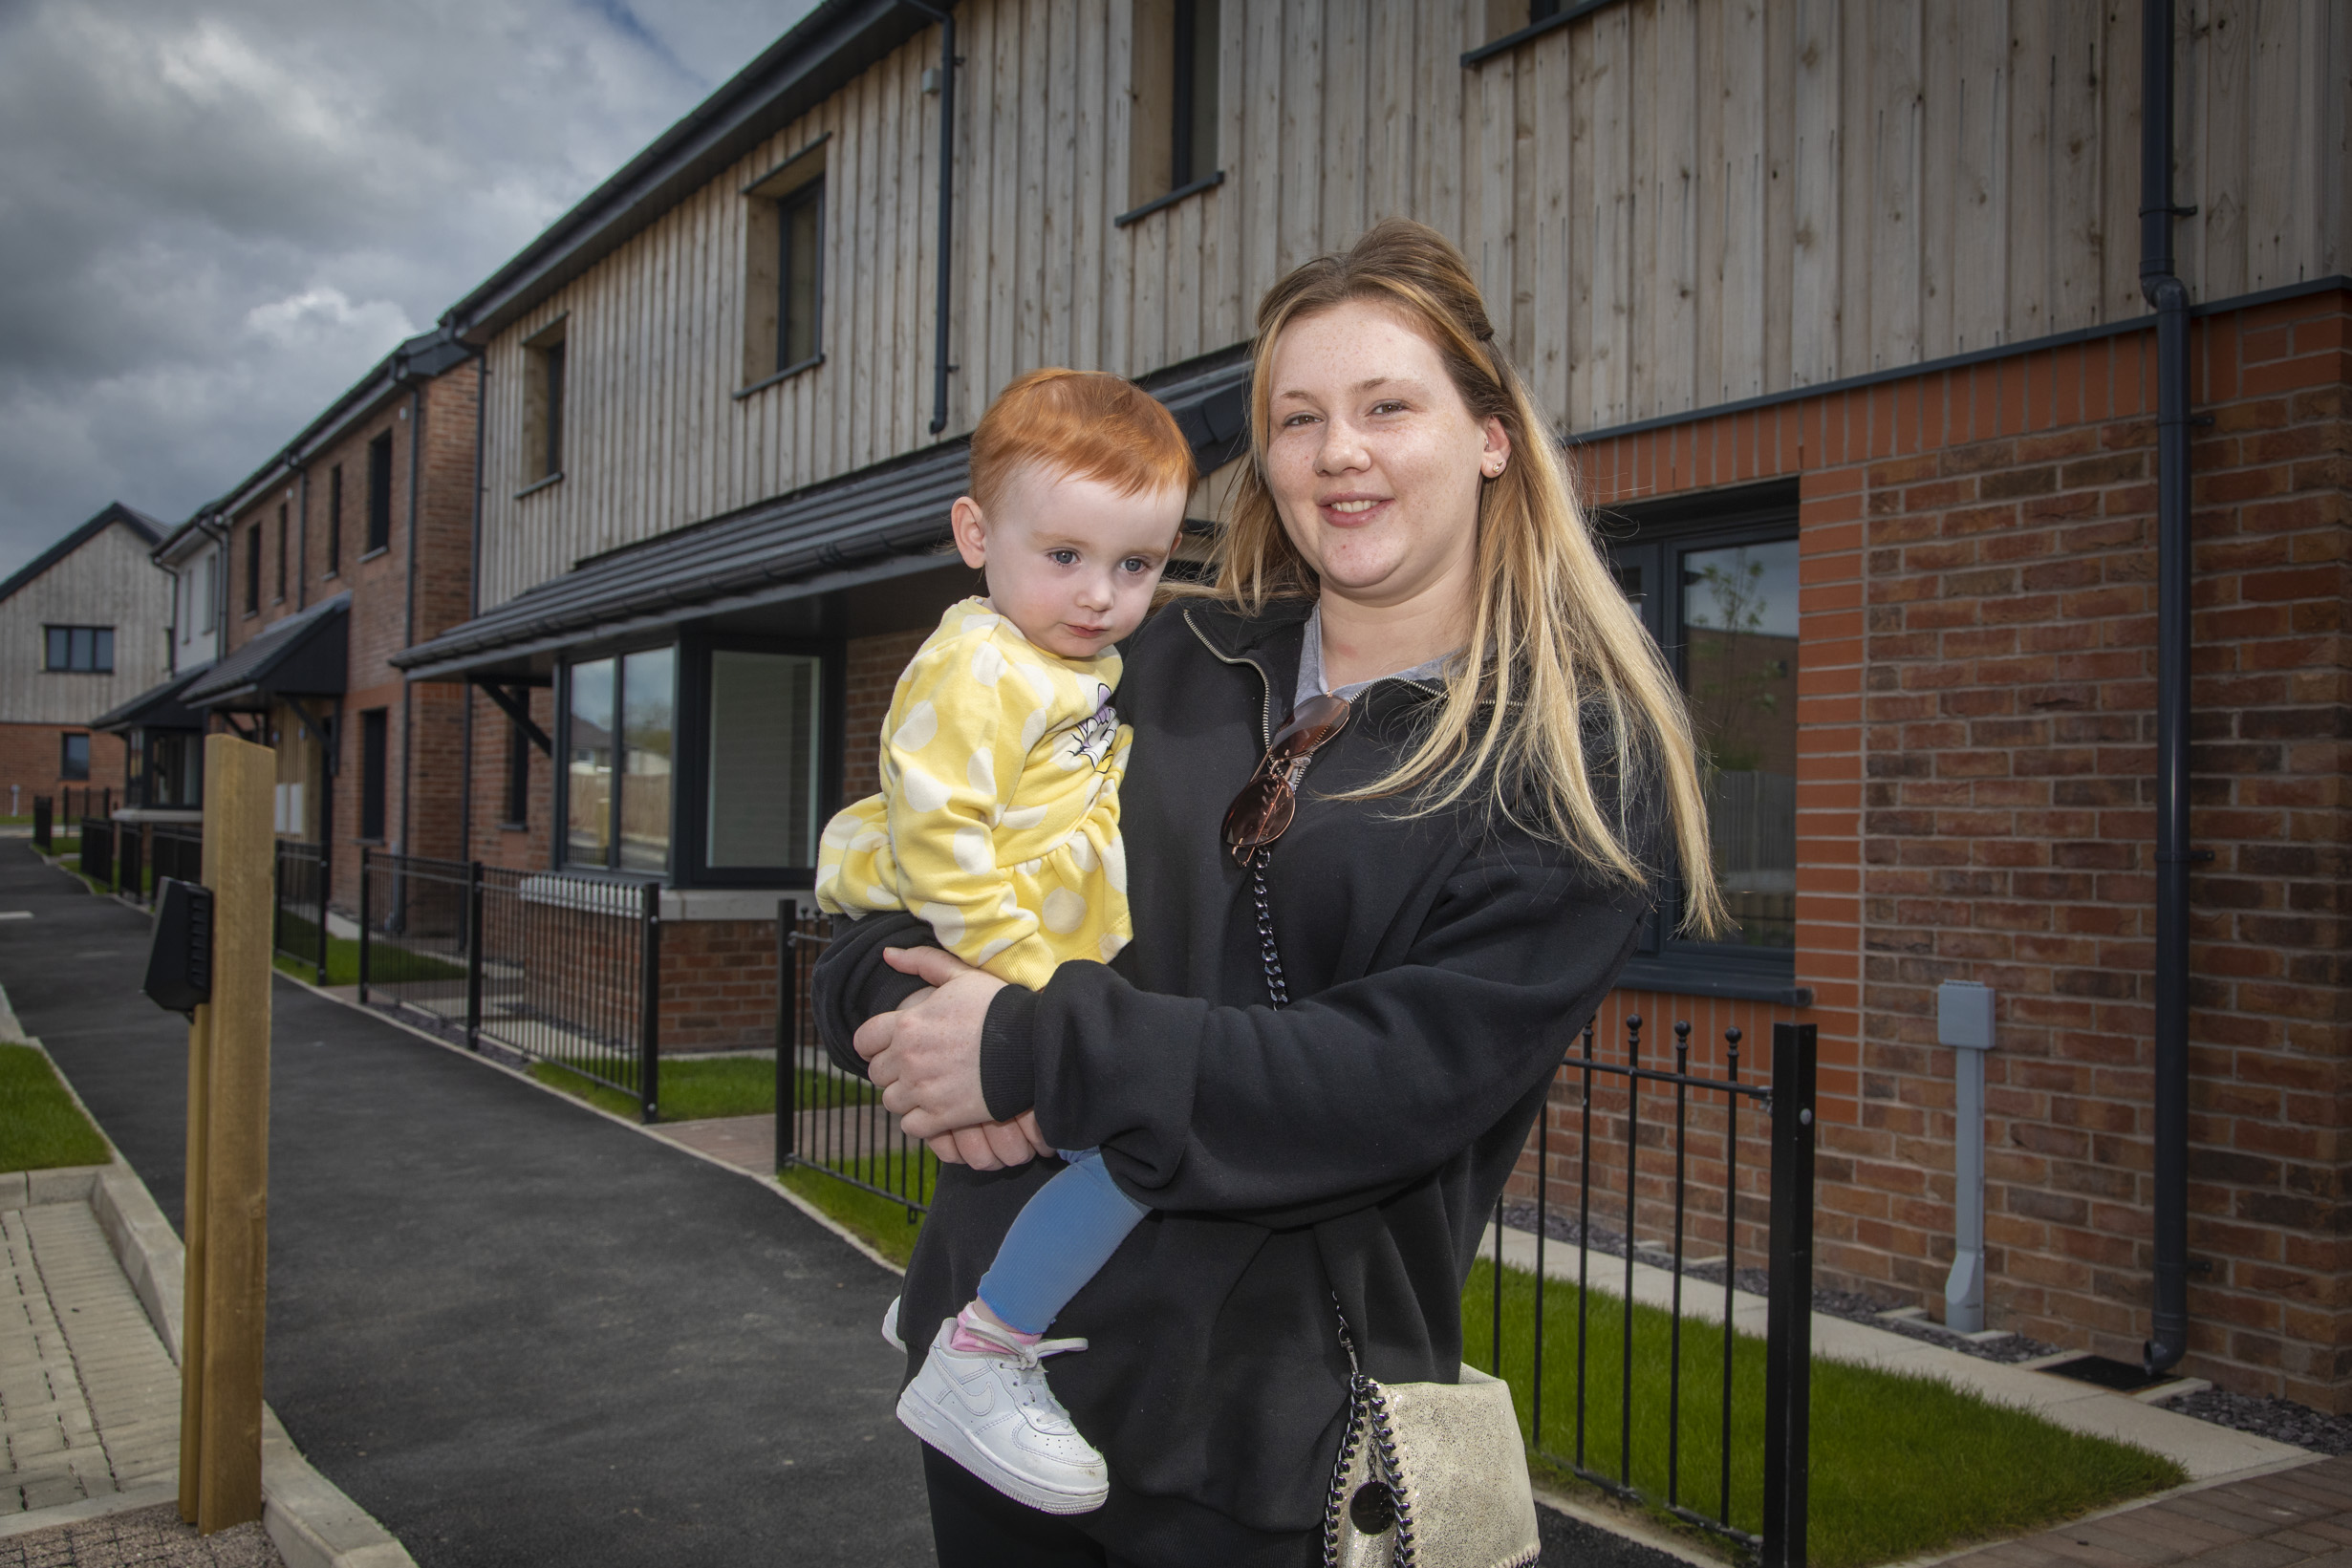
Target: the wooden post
pixel 229 1151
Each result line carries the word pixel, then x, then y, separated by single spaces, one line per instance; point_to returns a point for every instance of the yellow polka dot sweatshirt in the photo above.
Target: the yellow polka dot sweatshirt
pixel 997 823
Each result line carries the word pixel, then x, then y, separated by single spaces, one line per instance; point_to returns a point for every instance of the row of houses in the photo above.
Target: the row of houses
pixel 1839 308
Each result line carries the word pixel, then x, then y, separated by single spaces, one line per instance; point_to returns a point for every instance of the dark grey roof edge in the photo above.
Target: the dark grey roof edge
pixel 123 713
pixel 825 49
pixel 113 512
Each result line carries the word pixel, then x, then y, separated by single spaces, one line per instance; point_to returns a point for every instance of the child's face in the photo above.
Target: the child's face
pixel 1070 562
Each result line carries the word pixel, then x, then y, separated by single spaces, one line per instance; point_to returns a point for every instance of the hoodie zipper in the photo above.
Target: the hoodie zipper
pixel 1266 705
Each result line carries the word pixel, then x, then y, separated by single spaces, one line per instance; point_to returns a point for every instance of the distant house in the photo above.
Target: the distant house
pixel 163 737
pixel 82 629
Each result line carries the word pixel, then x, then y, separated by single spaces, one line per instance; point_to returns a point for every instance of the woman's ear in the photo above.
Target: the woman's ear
pixel 970 526
pixel 1495 455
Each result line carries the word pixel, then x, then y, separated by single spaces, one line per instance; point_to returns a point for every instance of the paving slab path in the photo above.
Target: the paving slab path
pixel 509 1328
pixel 2294 1517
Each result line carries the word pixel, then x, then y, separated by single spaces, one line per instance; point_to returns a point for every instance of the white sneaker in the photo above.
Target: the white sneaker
pixel 890 1327
pixel 991 1413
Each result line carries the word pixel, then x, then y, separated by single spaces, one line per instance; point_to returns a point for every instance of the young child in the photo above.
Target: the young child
pixel 998 824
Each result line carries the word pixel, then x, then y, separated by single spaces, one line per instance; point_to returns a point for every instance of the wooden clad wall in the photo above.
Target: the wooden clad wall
pixel 1673 204
pixel 108 582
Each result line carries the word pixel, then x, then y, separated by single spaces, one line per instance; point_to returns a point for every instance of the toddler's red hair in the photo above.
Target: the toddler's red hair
pixel 1086 424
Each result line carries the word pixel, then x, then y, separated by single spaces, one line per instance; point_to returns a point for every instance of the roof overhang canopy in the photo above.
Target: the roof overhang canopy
pixel 882 523
pixel 302 656
pixel 156 708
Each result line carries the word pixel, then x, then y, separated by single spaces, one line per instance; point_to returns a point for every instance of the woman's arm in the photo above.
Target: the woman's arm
pixel 1338 1100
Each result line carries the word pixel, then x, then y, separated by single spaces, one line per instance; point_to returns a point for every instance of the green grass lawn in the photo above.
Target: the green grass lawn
pixel 40 1126
pixel 886 1225
pixel 1902 1465
pixel 692 1088
pixel 388 963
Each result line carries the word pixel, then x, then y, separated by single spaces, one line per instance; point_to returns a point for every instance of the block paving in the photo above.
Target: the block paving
pixel 2280 1520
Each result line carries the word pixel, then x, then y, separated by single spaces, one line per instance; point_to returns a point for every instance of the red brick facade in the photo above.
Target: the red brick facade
pixel 1976 776
pixel 31 756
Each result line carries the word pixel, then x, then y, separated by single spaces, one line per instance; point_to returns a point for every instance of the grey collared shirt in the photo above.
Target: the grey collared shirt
pixel 1310 667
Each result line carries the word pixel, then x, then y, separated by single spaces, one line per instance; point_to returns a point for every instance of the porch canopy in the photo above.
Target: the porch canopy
pixel 772 564
pixel 302 656
pixel 160 707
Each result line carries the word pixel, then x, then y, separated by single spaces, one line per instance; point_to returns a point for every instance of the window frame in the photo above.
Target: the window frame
pixel 49 663
pixel 1168 98
pixel 379 495
pixel 65 756
pixel 1658 533
pixel 690 844
pixel 809 194
pixel 560 827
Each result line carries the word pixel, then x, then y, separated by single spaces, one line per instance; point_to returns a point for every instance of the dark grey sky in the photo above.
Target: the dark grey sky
pixel 215 215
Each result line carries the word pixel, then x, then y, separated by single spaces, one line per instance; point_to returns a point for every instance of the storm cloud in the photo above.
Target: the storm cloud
pixel 215 217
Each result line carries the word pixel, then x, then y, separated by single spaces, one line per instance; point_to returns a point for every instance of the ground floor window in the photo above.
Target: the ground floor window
pixel 619 714
pixel 373 766
pixel 73 762
pixel 518 775
pixel 176 770
pixel 1715 579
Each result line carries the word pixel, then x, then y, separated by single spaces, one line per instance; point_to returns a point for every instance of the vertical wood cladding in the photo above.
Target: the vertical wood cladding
pixel 1671 203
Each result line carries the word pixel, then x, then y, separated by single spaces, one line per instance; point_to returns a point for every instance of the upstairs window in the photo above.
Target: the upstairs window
pixel 83 650
pixel 380 493
pixel 784 292
pixel 205 576
pixel 281 594
pixel 1715 579
pixel 252 570
pixel 543 406
pixel 1172 145
pixel 335 520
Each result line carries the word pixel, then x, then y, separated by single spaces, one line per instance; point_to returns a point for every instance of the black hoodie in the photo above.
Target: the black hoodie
pixel 1353 1143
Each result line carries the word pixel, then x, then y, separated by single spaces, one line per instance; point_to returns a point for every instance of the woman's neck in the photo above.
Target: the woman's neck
pixel 1366 641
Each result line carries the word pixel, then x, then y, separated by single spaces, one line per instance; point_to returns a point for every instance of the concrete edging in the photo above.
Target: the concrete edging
pixel 307 1517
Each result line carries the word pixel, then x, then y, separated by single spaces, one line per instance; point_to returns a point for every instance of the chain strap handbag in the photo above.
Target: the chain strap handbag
pixel 1429 1474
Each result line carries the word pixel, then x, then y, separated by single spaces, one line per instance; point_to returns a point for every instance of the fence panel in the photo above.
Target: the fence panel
pixel 827 1121
pixel 44 819
pixel 130 860
pixel 558 969
pixel 97 848
pixel 299 927
pixel 178 851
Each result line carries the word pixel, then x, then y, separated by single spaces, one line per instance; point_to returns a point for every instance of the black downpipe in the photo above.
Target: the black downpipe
pixel 947 205
pixel 2168 296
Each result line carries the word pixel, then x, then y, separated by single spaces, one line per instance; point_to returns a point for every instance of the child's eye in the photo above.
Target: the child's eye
pixel 1136 564
pixel 1063 557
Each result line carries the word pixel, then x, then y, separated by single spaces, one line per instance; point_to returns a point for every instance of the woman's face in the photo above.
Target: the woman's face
pixel 1373 458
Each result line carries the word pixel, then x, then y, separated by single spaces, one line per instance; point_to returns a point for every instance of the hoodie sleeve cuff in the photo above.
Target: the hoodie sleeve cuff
pixel 1008 1053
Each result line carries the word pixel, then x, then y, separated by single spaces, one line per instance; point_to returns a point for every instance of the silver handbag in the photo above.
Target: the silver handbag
pixel 1430 1475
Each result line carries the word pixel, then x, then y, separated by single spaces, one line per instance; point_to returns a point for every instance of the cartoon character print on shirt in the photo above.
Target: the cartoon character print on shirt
pixel 1093 742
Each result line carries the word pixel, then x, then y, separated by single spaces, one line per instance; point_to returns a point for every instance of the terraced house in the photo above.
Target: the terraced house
pixel 1844 311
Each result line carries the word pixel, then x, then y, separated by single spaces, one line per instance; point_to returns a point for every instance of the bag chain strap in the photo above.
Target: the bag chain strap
pixel 1277 985
pixel 1366 1397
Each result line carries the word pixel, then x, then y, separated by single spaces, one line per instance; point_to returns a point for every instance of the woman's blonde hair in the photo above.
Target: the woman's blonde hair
pixel 1551 633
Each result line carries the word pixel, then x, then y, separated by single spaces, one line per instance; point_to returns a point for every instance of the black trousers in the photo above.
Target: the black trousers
pixel 973 1525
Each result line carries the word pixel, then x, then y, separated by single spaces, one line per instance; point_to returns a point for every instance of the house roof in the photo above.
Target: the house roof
pixel 858 528
pixel 115 511
pixel 302 656
pixel 156 708
pixel 833 44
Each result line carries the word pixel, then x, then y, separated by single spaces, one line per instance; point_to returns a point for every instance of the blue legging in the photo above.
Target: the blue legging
pixel 1058 1242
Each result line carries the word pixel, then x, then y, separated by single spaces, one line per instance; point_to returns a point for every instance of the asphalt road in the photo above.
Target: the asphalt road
pixel 514 1331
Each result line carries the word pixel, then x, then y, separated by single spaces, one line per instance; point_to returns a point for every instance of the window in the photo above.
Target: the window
pixel 281 594
pixel 371 770
pixel 204 591
pixel 335 520
pixel 84 649
pixel 252 570
pixel 73 761
pixel 765 760
pixel 1716 582
pixel 617 751
pixel 784 289
pixel 543 406
pixel 175 770
pixel 518 776
pixel 380 493
pixel 1172 144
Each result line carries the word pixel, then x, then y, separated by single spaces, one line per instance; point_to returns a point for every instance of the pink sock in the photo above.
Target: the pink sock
pixel 974 1333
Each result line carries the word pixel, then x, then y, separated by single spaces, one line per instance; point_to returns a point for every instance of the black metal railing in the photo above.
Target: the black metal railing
pixel 44 822
pixel 1659 1158
pixel 298 927
pixel 131 860
pixel 827 1121
pixel 177 849
pixel 559 969
pixel 97 848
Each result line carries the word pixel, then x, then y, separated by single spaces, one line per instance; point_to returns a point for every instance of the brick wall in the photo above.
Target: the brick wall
pixel 874 665
pixel 1976 692
pixel 31 755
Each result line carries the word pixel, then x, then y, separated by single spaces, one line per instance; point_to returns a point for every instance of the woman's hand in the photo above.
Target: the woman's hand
pixel 992 1145
pixel 925 1059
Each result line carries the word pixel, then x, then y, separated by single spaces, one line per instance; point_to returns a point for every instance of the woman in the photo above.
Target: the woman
pixel 1461 881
